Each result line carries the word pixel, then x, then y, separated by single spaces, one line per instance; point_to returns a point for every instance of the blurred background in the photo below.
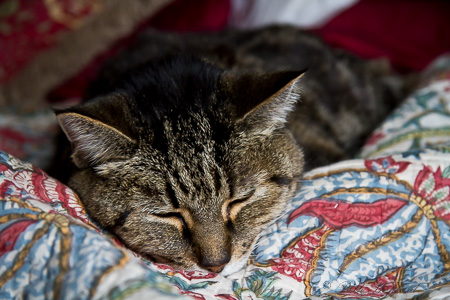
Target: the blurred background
pixel 51 49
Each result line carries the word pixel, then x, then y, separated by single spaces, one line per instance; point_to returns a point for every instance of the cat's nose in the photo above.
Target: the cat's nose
pixel 216 269
pixel 215 265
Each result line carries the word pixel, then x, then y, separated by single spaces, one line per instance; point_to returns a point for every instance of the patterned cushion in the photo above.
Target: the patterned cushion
pixel 51 250
pixel 359 229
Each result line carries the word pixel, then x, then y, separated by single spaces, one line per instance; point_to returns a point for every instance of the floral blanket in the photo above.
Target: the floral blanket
pixel 368 228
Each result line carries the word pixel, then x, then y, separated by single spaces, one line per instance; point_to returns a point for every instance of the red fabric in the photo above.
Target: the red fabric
pixel 13 141
pixel 410 33
pixel 76 86
pixel 10 234
pixel 181 16
pixel 28 27
pixel 188 15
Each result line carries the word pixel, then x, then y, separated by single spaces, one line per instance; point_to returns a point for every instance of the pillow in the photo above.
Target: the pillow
pixel 49 248
pixel 359 229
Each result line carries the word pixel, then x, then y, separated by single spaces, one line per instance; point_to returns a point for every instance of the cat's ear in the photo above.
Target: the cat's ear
pixel 263 101
pixel 93 141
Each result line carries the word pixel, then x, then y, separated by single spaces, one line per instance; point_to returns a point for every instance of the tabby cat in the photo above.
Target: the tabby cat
pixel 190 145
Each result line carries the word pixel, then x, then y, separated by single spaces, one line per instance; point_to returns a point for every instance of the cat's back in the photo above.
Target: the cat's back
pixel 343 98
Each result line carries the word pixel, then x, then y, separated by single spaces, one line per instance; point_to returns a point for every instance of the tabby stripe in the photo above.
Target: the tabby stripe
pixel 123 216
pixel 181 185
pixel 217 180
pixel 172 196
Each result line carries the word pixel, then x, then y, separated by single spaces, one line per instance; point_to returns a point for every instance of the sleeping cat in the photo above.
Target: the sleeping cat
pixel 190 145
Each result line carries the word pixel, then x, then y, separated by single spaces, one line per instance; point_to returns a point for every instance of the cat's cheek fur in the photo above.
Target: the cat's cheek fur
pixel 247 236
pixel 174 251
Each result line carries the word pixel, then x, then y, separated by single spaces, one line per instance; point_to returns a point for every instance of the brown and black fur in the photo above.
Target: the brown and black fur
pixel 186 158
pixel 343 98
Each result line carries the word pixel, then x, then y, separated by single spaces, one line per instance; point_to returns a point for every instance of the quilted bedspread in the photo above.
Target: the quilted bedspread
pixel 368 228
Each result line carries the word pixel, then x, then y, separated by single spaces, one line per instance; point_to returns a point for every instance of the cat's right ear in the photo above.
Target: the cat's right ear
pixel 263 101
pixel 93 141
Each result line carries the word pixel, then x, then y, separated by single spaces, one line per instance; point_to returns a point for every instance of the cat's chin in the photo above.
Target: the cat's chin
pixel 231 268
pixel 234 266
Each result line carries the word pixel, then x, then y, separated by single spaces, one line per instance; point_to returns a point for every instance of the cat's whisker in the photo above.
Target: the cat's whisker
pixel 259 242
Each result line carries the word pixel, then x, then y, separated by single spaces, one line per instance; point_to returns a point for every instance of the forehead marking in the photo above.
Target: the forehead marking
pixel 193 172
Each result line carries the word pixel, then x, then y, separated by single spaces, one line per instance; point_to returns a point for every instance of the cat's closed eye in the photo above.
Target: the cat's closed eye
pixel 159 259
pixel 174 218
pixel 234 206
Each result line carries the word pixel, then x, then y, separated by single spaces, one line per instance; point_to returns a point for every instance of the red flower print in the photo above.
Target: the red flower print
pixel 338 214
pixel 10 234
pixel 386 165
pixel 434 189
pixel 296 259
pixel 382 286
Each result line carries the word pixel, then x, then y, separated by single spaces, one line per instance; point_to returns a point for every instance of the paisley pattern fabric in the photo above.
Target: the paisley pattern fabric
pixel 368 228
pixel 49 249
pixel 421 123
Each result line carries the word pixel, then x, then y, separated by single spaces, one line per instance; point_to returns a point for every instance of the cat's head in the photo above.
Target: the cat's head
pixel 185 163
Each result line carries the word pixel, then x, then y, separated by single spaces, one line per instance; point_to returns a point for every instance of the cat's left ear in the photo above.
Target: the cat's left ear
pixel 94 141
pixel 263 101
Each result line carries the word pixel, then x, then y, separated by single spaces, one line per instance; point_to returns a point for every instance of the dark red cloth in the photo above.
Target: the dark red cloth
pixel 28 27
pixel 410 33
pixel 188 15
pixel 181 16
